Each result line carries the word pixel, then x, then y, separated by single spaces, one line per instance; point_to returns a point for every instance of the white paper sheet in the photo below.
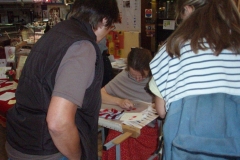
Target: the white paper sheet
pixel 10 87
pixel 7 95
pixel 3 71
pixel 131 117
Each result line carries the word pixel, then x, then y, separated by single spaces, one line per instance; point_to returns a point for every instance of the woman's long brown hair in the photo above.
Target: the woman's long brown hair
pixel 216 22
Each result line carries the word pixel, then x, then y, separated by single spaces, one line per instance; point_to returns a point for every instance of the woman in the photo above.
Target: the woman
pixel 130 85
pixel 197 74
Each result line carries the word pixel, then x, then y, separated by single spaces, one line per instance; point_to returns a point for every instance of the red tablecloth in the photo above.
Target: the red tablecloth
pixel 4 106
pixel 140 148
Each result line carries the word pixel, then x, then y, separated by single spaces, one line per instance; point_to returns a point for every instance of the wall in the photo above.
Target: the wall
pixel 127 33
pixel 146 40
pixel 130 11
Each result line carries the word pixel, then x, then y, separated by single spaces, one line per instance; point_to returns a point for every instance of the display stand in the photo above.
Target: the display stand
pixel 33 40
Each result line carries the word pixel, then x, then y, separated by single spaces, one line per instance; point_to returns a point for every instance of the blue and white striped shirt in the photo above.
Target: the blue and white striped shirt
pixel 195 74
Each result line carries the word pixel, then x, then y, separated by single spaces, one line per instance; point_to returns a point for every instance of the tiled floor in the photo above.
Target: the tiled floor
pixel 3 154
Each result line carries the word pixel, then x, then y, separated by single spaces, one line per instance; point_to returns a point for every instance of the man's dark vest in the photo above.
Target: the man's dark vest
pixel 27 129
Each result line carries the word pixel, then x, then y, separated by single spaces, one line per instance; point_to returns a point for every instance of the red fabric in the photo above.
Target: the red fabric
pixel 110 113
pixel 4 106
pixel 140 148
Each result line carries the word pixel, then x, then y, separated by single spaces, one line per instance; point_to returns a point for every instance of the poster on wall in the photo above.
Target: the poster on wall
pixel 115 43
pixel 54 16
pixel 148 13
pixel 150 30
pixel 119 43
pixel 44 14
pixel 130 14
pixel 169 24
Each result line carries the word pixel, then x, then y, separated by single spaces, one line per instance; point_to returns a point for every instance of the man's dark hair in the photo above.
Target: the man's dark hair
pixel 93 11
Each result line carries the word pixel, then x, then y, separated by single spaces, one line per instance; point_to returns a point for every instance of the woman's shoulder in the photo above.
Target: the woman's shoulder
pixel 122 74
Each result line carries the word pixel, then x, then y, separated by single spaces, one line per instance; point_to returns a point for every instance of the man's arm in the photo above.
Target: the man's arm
pixel 109 99
pixel 62 127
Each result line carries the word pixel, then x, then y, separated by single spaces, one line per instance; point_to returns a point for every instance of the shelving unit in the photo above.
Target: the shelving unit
pixel 152 33
pixel 165 12
pixel 7 28
pixel 54 2
pixel 37 31
pixel 163 34
pixel 9 31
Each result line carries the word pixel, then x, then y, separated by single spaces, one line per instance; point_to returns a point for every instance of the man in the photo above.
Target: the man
pixel 58 96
